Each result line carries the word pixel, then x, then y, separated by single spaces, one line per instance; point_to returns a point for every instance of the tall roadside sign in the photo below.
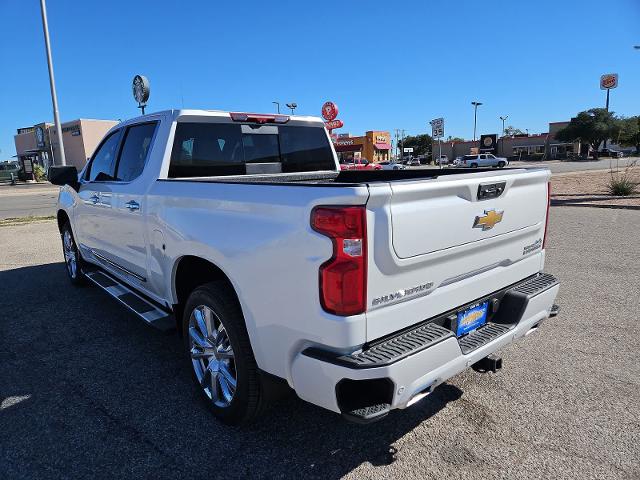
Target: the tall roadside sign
pixel 608 81
pixel 437 131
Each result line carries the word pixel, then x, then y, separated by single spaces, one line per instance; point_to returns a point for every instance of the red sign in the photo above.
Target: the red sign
pixel 329 111
pixel 334 124
pixel 608 81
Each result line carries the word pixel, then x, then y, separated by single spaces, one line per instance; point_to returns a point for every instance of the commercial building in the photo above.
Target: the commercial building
pixel 543 146
pixel 374 145
pixel 39 144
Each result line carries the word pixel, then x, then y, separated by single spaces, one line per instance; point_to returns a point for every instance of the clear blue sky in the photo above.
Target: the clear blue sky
pixel 386 64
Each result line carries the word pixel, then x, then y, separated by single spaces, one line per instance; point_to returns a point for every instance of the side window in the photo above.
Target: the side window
pixel 483 157
pixel 103 163
pixel 135 148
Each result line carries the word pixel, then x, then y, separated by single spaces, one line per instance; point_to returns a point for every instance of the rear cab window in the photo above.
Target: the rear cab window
pixel 216 149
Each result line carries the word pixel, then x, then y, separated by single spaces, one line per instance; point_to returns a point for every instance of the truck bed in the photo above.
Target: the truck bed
pixel 343 178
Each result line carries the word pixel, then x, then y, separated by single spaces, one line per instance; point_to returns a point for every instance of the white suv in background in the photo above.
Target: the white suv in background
pixel 483 160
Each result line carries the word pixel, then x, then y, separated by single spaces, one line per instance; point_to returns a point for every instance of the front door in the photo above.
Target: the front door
pixel 95 197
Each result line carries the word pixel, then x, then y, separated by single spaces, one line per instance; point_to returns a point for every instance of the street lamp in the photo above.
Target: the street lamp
pixel 503 133
pixel 277 105
pixel 475 117
pixel 292 106
pixel 503 119
pixel 52 83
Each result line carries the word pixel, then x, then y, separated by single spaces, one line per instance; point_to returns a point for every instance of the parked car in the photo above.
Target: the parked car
pixel 608 152
pixel 457 161
pixel 359 164
pixel 9 170
pixel 483 160
pixel 361 291
pixel 413 162
pixel 391 165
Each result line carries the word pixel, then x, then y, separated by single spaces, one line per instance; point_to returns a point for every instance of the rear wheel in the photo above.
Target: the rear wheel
pixel 501 164
pixel 474 165
pixel 220 353
pixel 72 258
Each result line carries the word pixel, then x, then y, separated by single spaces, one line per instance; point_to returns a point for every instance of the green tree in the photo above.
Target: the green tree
pixel 454 139
pixel 593 126
pixel 421 144
pixel 511 131
pixel 629 133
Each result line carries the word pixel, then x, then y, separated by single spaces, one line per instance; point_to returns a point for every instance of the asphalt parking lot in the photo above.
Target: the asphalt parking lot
pixel 88 391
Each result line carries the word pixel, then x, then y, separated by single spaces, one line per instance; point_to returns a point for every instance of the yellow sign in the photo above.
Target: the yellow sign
pixel 488 220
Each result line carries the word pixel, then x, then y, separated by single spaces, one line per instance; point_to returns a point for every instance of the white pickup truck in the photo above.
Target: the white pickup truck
pixel 360 290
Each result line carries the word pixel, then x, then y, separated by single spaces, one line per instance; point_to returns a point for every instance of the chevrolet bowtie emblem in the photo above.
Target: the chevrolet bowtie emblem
pixel 488 220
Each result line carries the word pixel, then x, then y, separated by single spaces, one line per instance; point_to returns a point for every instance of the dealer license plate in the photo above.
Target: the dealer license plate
pixel 472 318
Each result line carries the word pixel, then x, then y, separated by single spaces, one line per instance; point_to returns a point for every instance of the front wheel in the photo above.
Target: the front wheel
pixel 501 164
pixel 72 258
pixel 220 353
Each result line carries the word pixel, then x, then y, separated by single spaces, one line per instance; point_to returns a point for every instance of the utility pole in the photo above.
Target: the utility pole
pixel 52 84
pixel 475 117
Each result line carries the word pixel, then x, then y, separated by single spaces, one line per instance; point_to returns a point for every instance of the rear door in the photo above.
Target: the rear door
pixel 125 246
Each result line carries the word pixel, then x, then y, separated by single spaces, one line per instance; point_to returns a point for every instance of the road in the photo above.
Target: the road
pixel 40 199
pixel 27 200
pixel 87 390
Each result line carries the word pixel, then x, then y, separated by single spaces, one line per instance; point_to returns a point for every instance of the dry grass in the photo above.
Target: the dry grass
pixel 7 222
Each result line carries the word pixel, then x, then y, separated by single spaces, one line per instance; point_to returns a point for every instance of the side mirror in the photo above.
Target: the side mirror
pixel 64 175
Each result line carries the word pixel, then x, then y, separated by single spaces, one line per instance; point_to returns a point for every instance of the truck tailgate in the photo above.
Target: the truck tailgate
pixel 436 245
pixel 431 216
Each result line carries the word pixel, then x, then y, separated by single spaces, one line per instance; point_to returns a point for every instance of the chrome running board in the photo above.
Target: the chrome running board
pixel 151 313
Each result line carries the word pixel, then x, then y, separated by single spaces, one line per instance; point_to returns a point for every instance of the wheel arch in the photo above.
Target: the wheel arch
pixel 62 218
pixel 189 272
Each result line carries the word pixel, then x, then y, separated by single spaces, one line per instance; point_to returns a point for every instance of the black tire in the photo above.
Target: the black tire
pixel 501 164
pixel 74 272
pixel 250 398
pixel 474 165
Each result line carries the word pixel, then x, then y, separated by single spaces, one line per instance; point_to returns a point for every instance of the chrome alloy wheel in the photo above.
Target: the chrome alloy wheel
pixel 212 356
pixel 70 255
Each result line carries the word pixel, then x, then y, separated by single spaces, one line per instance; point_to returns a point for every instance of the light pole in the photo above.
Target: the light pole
pixel 503 119
pixel 292 106
pixel 52 83
pixel 277 105
pixel 503 132
pixel 475 117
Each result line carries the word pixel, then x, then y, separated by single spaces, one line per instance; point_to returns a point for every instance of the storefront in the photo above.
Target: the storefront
pixel 374 145
pixel 38 145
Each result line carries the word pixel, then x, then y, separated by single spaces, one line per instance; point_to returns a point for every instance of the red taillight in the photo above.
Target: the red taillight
pixel 546 222
pixel 258 117
pixel 343 278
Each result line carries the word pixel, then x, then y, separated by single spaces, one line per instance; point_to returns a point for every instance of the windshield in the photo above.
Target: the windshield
pixel 214 149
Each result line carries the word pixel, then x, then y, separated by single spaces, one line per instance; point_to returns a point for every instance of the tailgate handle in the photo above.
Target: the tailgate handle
pixel 490 190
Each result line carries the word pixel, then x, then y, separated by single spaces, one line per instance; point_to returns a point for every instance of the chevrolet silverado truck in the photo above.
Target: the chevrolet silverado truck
pixel 360 290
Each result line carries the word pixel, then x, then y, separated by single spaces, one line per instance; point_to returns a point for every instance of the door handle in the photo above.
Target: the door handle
pixel 95 198
pixel 132 205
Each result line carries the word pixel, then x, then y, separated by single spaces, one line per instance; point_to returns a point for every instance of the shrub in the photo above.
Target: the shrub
pixel 38 172
pixel 622 183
